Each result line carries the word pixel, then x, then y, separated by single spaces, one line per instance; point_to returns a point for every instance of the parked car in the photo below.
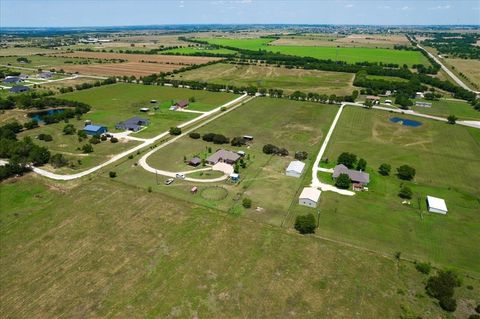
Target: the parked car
pixel 180 176
pixel 169 181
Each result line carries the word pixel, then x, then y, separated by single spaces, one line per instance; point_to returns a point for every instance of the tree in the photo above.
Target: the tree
pixel 424 268
pixel 87 148
pixel 448 304
pixel 301 155
pixel 403 101
pixel 305 224
pixel 270 149
pixel 220 139
pixel 81 134
pixel 31 124
pixel 406 172
pixel 112 174
pixel 405 192
pixel 238 141
pixel 58 160
pixel 362 164
pixel 94 140
pixel 69 129
pixel 385 169
pixel 452 119
pixel 347 159
pixel 247 202
pixel 175 131
pixel 113 140
pixel 194 135
pixel 343 181
pixel 442 287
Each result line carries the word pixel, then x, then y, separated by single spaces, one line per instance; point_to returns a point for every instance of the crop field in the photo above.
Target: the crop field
pixel 123 252
pixel 119 69
pixel 444 108
pixel 349 55
pixel 13 51
pixel 353 40
pixel 42 61
pixel 117 102
pixel 297 126
pixel 289 80
pixel 198 50
pixel 446 160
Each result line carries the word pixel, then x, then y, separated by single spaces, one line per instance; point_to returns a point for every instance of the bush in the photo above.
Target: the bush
pixel 58 160
pixel 406 172
pixel 448 304
pixel 69 129
pixel 194 135
pixel 114 140
pixel 220 139
pixel 405 192
pixel 452 119
pixel 301 155
pixel 247 202
pixel 94 140
pixel 384 169
pixel 103 137
pixel 343 181
pixel 175 131
pixel 87 148
pixel 282 152
pixel 474 316
pixel 112 174
pixel 477 308
pixel 424 268
pixel 238 141
pixel 347 159
pixel 270 149
pixel 81 134
pixel 208 137
pixel 362 164
pixel 45 137
pixel 305 224
pixel 31 124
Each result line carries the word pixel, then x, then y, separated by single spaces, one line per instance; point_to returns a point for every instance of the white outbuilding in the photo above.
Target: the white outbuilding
pixel 309 197
pixel 295 169
pixel 436 205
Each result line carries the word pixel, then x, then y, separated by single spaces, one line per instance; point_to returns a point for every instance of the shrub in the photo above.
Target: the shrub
pixel 94 140
pixel 452 119
pixel 301 155
pixel 347 159
pixel 45 137
pixel 406 172
pixel 58 160
pixel 477 308
pixel 247 202
pixel 270 149
pixel 112 174
pixel 114 140
pixel 424 268
pixel 282 152
pixel 87 148
pixel 238 141
pixel 474 316
pixel 194 135
pixel 385 169
pixel 442 287
pixel 208 137
pixel 175 131
pixel 405 192
pixel 31 124
pixel 343 181
pixel 103 137
pixel 81 134
pixel 362 164
pixel 305 224
pixel 69 129
pixel 448 304
pixel 220 139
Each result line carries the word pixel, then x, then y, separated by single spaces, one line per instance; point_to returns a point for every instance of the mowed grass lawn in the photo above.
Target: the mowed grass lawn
pixel 296 126
pixel 446 159
pixel 268 77
pixel 117 102
pixel 349 55
pixel 104 249
pixel 40 61
pixel 444 108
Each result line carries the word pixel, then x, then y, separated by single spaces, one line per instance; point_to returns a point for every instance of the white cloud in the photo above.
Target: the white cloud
pixel 384 7
pixel 181 4
pixel 405 8
pixel 350 5
pixel 444 7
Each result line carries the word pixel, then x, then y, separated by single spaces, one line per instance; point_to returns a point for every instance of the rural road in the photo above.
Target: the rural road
pixel 143 160
pixel 148 142
pixel 447 70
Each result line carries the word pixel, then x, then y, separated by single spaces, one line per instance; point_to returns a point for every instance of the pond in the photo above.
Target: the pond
pixel 38 116
pixel 405 121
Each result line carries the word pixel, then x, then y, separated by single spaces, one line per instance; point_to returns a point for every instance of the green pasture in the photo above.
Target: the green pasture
pixel 349 55
pixel 444 108
pixel 197 50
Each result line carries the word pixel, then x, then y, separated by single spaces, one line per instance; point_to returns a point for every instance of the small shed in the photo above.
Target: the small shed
pixel 144 109
pixel 194 190
pixel 248 137
pixel 153 101
pixel 195 161
pixel 436 205
pixel 295 169
pixel 309 197
pixel 234 177
pixel 95 129
pixel 182 104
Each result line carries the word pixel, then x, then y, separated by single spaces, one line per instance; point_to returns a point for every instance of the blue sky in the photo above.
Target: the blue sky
pixel 54 13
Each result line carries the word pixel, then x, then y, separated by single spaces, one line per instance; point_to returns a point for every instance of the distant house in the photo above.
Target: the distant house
pixel 144 109
pixel 19 89
pixel 248 137
pixel 133 124
pixel 423 104
pixel 387 93
pixel 224 156
pixel 436 205
pixel 295 169
pixel 195 161
pixel 45 75
pixel 12 79
pixel 373 98
pixel 357 177
pixel 95 129
pixel 309 197
pixel 419 95
pixel 182 104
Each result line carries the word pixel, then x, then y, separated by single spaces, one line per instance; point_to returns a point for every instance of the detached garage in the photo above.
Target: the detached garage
pixel 436 205
pixel 309 197
pixel 95 129
pixel 295 169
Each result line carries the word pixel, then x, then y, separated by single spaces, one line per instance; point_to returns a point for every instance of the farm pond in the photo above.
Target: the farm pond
pixel 405 121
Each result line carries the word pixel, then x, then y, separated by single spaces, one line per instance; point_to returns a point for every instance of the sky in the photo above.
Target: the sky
pixel 74 13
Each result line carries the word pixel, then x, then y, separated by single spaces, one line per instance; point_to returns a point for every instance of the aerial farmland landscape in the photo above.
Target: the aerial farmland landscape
pixel 240 159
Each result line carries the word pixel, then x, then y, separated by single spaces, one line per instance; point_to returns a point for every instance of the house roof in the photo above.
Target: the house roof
pixel 182 103
pixel 373 97
pixel 296 166
pixel 94 128
pixel 11 79
pixel 224 155
pixel 437 203
pixel 135 121
pixel 357 176
pixel 195 160
pixel 310 193
pixel 19 88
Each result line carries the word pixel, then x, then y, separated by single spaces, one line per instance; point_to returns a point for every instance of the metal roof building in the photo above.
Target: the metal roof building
pixel 295 169
pixel 436 205
pixel 355 176
pixel 309 197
